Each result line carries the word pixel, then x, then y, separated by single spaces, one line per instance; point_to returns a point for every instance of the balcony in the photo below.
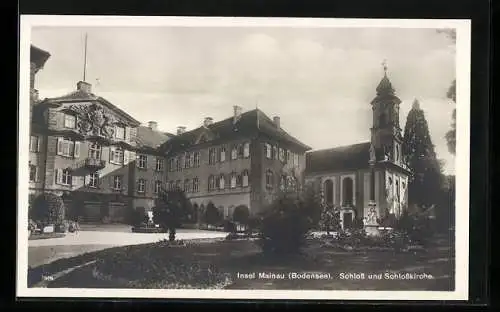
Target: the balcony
pixel 94 164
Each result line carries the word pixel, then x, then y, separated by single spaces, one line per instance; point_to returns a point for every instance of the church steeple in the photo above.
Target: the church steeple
pixel 384 87
pixel 386 131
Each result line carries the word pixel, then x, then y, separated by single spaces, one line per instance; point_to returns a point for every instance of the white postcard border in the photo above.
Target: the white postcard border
pixel 463 46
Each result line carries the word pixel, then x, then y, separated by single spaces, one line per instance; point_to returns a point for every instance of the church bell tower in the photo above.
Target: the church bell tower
pixel 386 135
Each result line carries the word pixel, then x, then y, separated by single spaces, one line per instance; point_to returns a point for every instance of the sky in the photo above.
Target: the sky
pixel 320 81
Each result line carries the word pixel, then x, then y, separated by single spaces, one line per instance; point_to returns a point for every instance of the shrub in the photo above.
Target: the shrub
pixel 285 224
pixel 48 208
pixel 60 228
pixel 212 214
pixel 241 214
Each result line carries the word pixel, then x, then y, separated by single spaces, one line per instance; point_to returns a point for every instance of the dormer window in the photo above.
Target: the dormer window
pixel 69 121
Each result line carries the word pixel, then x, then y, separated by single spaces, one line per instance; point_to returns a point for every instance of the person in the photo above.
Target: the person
pixel 74 227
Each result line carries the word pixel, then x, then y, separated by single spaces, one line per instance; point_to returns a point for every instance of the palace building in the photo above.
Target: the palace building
pixel 239 161
pixel 99 159
pixel 367 180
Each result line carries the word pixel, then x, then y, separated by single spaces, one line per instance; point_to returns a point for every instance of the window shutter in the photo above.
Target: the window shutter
pixel 76 152
pixel 126 130
pixel 38 143
pixel 36 174
pixel 59 176
pixel 111 154
pixel 59 146
pixel 125 157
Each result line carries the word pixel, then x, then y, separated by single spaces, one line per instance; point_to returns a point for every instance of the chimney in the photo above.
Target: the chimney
pixel 276 120
pixel 84 86
pixel 153 125
pixel 181 130
pixel 236 113
pixel 208 121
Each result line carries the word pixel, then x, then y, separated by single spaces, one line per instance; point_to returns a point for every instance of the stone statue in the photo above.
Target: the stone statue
pixel 372 153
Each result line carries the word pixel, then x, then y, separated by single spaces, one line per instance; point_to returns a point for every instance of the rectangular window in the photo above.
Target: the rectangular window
pixel 246 150
pixel 196 185
pixel 269 151
pixel 179 163
pixel 296 159
pixel 245 178
pixel 33 173
pixel 187 158
pixel 34 144
pixel 233 180
pixel 66 177
pixel 93 180
pixel 159 164
pixel 116 155
pixel 171 164
pixel 142 161
pixel 187 186
pixel 141 186
pixel 69 121
pixel 222 154
pixel 120 132
pixel 211 156
pixel 95 151
pixel 157 187
pixel 197 159
pixel 117 182
pixel 178 184
pixel 234 153
pixel 65 147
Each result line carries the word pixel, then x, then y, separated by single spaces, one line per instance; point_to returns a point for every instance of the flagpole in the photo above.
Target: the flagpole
pixel 85 58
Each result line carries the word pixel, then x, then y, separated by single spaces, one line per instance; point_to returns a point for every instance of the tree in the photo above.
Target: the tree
pixel 426 181
pixel 170 209
pixel 212 214
pixel 48 208
pixel 452 95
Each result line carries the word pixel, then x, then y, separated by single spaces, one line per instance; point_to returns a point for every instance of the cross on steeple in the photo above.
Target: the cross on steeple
pixel 384 66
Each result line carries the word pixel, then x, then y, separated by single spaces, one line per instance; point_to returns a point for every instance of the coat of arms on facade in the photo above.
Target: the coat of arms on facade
pixel 94 120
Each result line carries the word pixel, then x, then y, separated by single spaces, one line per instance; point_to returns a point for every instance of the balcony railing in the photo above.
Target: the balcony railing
pixel 95 164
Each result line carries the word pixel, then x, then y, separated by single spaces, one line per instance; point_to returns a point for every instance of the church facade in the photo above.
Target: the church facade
pixel 367 180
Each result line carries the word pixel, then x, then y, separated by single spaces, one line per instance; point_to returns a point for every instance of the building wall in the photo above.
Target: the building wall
pixel 147 198
pixel 262 194
pixel 360 187
pixel 219 197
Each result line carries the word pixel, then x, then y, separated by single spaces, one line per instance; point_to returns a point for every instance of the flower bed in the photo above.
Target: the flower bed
pixel 359 241
pixel 147 230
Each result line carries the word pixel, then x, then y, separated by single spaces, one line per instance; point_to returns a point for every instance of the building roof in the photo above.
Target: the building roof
pixel 250 123
pixel 38 56
pixel 81 95
pixel 148 138
pixel 349 157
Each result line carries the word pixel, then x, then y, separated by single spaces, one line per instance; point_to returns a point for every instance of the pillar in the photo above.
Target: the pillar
pixel 371 223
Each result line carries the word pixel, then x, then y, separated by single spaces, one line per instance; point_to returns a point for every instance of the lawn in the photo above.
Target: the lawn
pixel 222 264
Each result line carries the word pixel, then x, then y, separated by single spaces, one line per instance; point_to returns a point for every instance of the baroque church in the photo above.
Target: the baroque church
pixel 369 180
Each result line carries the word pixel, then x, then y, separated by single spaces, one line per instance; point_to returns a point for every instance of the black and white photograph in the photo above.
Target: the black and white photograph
pixel 286 158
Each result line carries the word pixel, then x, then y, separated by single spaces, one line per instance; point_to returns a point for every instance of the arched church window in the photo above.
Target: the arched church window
pixel 328 185
pixel 348 191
